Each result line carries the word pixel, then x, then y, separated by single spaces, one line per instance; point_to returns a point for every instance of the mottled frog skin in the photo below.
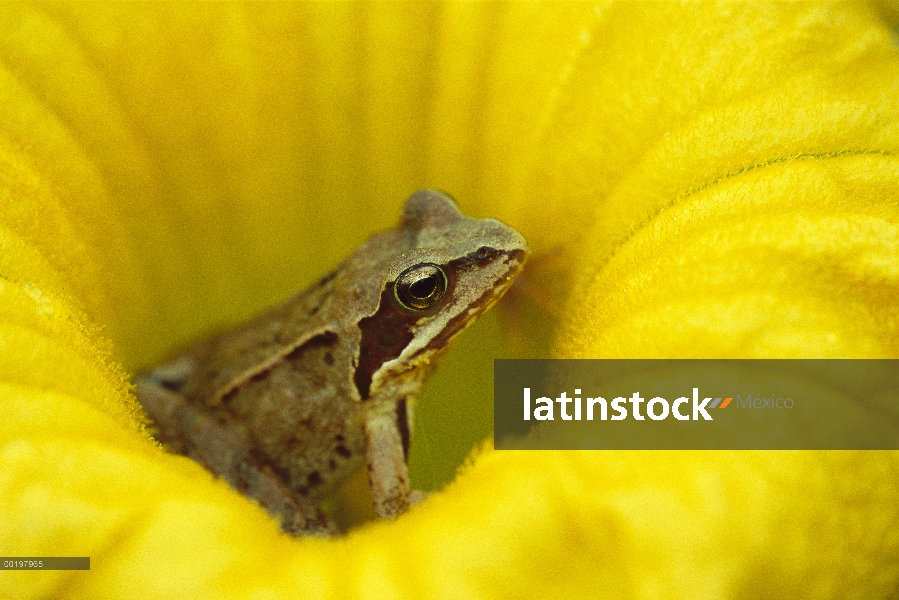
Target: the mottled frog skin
pixel 289 404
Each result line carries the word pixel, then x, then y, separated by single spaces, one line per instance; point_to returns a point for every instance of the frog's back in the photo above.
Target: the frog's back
pixel 302 419
pixel 226 361
pixel 325 312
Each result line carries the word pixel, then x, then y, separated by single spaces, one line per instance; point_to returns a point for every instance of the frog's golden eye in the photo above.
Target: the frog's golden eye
pixel 420 286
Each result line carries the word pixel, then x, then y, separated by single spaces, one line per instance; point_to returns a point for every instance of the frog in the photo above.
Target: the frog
pixel 287 405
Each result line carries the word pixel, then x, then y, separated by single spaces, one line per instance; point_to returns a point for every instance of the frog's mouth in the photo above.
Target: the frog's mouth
pixel 392 332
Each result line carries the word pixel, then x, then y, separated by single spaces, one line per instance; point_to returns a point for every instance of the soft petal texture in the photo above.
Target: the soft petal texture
pixel 698 179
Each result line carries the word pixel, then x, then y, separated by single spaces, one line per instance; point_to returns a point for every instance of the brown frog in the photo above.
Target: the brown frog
pixel 289 404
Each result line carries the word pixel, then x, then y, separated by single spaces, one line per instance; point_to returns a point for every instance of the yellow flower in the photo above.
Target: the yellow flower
pixel 696 180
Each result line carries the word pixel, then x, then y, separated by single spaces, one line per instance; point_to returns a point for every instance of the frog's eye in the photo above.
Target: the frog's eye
pixel 420 286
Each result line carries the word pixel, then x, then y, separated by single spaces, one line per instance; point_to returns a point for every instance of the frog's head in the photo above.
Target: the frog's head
pixel 453 268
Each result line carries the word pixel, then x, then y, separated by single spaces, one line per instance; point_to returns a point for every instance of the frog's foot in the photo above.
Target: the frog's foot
pixel 416 497
pixel 299 515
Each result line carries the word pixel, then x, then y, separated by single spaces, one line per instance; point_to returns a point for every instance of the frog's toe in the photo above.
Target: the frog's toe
pixel 416 497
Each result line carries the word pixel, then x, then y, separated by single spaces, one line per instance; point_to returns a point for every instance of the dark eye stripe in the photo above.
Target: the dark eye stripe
pixel 384 336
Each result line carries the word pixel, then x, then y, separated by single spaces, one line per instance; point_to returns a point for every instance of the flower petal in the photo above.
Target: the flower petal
pixel 165 169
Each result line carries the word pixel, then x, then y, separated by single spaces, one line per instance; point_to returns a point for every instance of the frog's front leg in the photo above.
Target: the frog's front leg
pixel 202 436
pixel 387 450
